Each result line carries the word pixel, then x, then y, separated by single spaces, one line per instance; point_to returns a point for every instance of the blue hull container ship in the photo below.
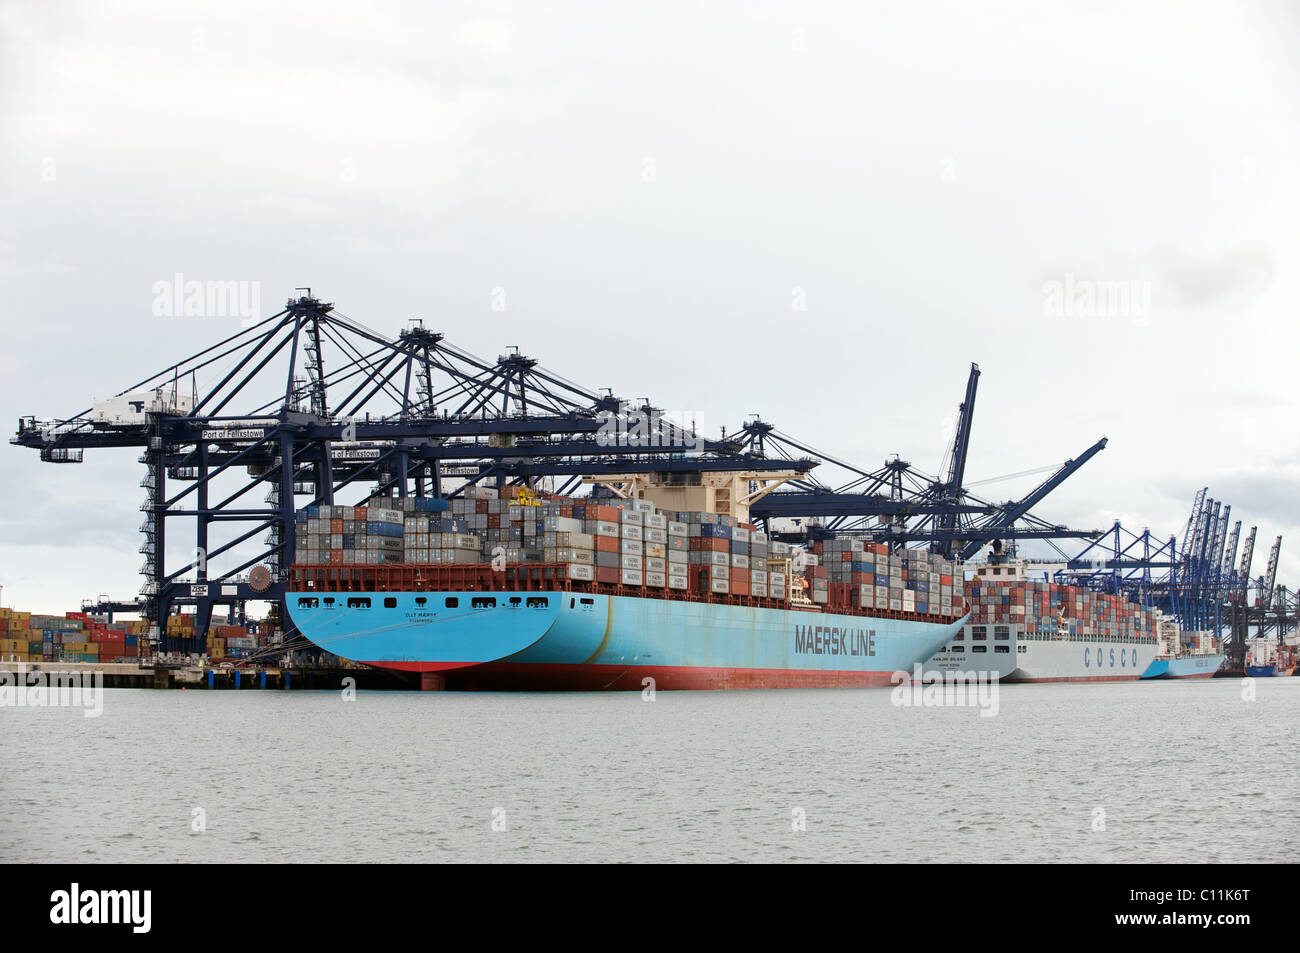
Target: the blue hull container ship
pixel 579 594
pixel 558 634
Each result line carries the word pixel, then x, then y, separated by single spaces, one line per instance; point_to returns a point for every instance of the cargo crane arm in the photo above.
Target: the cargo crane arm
pixel 952 488
pixel 1270 577
pixel 1006 517
pixel 1230 550
pixel 1247 555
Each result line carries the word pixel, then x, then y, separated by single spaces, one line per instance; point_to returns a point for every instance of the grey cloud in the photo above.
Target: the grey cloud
pixel 1234 276
pixel 44 520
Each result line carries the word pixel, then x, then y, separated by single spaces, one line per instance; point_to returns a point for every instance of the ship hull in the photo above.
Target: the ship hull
pixel 1261 671
pixel 1186 666
pixel 568 641
pixel 1013 656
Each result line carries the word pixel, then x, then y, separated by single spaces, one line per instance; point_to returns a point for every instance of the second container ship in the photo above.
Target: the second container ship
pixel 1022 630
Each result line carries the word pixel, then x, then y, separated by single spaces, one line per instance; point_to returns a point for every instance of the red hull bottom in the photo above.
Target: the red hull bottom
pixel 518 676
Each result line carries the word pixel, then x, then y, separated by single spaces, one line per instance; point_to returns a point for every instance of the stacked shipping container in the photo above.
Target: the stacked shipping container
pixel 908 580
pixel 74 637
pixel 1047 608
pixel 628 543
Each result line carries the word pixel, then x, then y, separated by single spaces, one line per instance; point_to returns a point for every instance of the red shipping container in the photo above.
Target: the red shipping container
pixel 606 544
pixel 607 574
pixel 709 544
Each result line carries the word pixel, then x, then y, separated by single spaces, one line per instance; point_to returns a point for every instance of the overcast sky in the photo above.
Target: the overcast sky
pixel 817 212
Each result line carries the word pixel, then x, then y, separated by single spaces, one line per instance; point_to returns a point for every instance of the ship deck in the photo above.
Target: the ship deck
pixel 539 577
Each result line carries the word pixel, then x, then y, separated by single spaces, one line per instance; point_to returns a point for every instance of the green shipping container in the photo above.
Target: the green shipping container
pixel 36 648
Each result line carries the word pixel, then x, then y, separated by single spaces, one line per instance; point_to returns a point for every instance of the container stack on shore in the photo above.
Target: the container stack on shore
pixel 73 637
pixel 224 641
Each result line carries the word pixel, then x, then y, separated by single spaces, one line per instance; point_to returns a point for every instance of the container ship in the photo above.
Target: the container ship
pixel 1022 630
pixel 1183 654
pixel 525 593
pixel 1266 659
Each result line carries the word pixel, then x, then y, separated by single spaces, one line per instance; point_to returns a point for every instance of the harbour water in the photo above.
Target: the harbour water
pixel 1159 772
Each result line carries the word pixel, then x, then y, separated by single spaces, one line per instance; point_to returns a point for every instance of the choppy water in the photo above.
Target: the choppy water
pixel 1182 772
